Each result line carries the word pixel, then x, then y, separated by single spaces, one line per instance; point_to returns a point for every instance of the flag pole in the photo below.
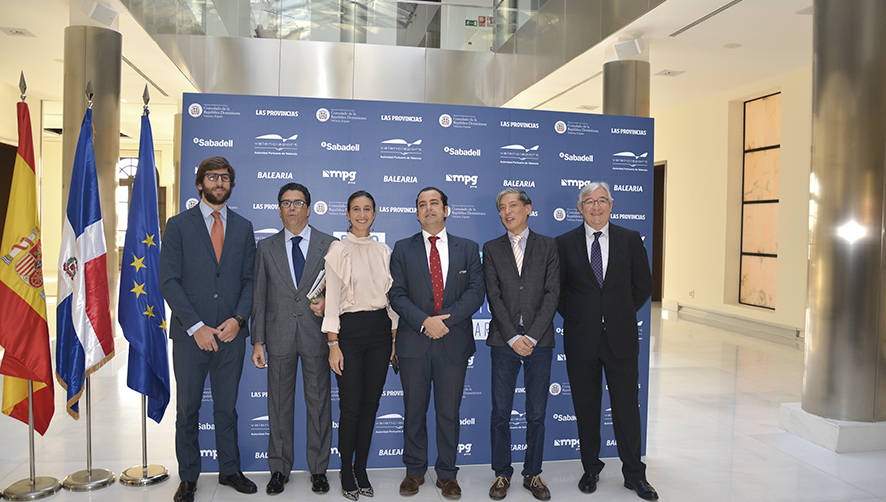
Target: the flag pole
pixel 89 479
pixel 144 474
pixel 35 487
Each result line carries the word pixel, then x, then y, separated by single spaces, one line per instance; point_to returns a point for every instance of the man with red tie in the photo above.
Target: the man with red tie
pixel 438 285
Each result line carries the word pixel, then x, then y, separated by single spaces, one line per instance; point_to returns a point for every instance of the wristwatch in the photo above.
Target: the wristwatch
pixel 240 320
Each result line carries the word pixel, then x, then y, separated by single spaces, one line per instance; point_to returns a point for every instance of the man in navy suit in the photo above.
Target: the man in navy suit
pixel 206 274
pixel 438 285
pixel 605 279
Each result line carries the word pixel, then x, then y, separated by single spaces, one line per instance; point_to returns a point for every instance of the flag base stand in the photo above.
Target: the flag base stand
pixel 24 489
pixel 144 475
pixel 88 480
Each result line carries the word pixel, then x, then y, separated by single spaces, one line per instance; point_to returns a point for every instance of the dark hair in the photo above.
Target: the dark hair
pixel 361 193
pixel 295 186
pixel 213 164
pixel 521 196
pixel 443 198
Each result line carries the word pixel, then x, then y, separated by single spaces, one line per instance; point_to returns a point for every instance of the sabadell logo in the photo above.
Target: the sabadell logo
pixel 445 120
pixel 322 114
pixel 195 110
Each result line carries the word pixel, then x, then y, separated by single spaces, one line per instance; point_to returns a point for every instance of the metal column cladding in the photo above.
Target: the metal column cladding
pixel 92 54
pixel 845 374
pixel 626 88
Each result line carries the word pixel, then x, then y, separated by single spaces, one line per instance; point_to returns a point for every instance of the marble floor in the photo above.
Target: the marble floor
pixel 713 435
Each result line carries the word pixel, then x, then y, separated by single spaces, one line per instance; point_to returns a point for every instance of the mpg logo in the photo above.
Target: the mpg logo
pixel 195 110
pixel 573 183
pixel 519 155
pixel 468 180
pixel 322 114
pixel 559 127
pixel 445 120
pixel 349 176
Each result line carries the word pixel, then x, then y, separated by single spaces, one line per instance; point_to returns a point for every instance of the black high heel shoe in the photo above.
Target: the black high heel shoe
pixel 363 484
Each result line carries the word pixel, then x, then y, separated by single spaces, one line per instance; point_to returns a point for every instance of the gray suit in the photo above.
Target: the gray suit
pixel 283 321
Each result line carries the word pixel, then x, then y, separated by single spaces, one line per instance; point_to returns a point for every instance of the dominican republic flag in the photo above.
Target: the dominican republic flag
pixel 140 309
pixel 84 336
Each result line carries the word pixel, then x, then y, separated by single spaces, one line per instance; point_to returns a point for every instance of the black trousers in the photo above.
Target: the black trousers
pixel 586 382
pixel 365 342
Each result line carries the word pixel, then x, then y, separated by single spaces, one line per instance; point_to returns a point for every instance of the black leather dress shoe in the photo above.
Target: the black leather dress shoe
pixel 643 489
pixel 185 492
pixel 588 483
pixel 319 483
pixel 238 482
pixel 275 485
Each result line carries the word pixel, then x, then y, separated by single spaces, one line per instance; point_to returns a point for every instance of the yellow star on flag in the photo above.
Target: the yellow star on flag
pixel 163 325
pixel 138 262
pixel 149 240
pixel 138 289
pixel 150 311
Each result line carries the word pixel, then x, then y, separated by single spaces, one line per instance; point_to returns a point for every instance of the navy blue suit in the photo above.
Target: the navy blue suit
pixel 199 288
pixel 442 361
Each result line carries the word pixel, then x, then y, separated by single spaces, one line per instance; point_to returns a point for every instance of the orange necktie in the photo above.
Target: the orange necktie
pixel 217 235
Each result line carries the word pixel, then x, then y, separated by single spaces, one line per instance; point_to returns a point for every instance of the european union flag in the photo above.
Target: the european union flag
pixel 141 311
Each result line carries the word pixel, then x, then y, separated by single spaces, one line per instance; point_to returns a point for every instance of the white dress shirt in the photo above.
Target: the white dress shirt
pixel 604 244
pixel 303 245
pixel 442 248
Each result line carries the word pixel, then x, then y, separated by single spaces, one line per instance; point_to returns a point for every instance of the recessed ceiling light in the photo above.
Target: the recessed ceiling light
pixel 670 73
pixel 731 45
pixel 16 32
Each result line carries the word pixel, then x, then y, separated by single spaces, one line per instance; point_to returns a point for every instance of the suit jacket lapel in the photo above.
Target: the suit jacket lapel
pixel 314 261
pixel 200 230
pixel 280 259
pixel 419 251
pixel 507 251
pixel 454 248
pixel 581 244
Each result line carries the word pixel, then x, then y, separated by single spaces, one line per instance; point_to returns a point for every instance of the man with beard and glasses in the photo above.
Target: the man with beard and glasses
pixel 206 275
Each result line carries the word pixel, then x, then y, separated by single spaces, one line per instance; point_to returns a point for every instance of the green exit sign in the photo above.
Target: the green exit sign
pixel 470 22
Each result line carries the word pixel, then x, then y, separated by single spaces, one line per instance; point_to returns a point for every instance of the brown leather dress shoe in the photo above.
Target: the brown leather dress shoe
pixel 409 485
pixel 499 488
pixel 450 488
pixel 537 486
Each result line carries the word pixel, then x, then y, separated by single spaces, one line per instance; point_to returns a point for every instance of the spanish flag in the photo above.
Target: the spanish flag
pixel 24 333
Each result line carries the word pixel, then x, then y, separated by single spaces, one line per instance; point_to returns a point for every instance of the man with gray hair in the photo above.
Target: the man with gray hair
pixel 605 279
pixel 522 272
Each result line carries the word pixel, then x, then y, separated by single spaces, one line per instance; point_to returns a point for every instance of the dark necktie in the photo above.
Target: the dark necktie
pixel 436 275
pixel 597 258
pixel 298 259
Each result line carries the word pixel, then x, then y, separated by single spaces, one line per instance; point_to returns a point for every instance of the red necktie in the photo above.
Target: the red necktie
pixel 436 275
pixel 217 235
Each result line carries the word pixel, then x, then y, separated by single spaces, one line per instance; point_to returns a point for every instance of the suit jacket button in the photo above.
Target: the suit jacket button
pixel 294 315
pixel 215 295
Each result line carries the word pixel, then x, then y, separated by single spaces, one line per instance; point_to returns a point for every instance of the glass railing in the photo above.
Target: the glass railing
pixel 510 16
pixel 458 26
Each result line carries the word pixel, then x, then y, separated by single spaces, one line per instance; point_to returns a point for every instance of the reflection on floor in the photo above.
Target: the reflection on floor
pixel 713 435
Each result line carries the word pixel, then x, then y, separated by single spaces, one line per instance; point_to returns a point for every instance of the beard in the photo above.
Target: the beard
pixel 212 199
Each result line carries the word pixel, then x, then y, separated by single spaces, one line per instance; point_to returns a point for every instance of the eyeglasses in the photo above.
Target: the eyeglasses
pixel 215 177
pixel 596 202
pixel 285 203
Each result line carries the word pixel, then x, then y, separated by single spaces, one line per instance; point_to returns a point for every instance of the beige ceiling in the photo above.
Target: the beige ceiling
pixel 774 38
pixel 40 57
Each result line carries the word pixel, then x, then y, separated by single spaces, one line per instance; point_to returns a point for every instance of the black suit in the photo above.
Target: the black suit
pixel 442 361
pixel 613 346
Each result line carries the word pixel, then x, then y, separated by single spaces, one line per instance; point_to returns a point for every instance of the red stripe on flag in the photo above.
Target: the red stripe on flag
pixel 44 407
pixel 25 138
pixel 98 303
pixel 27 354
